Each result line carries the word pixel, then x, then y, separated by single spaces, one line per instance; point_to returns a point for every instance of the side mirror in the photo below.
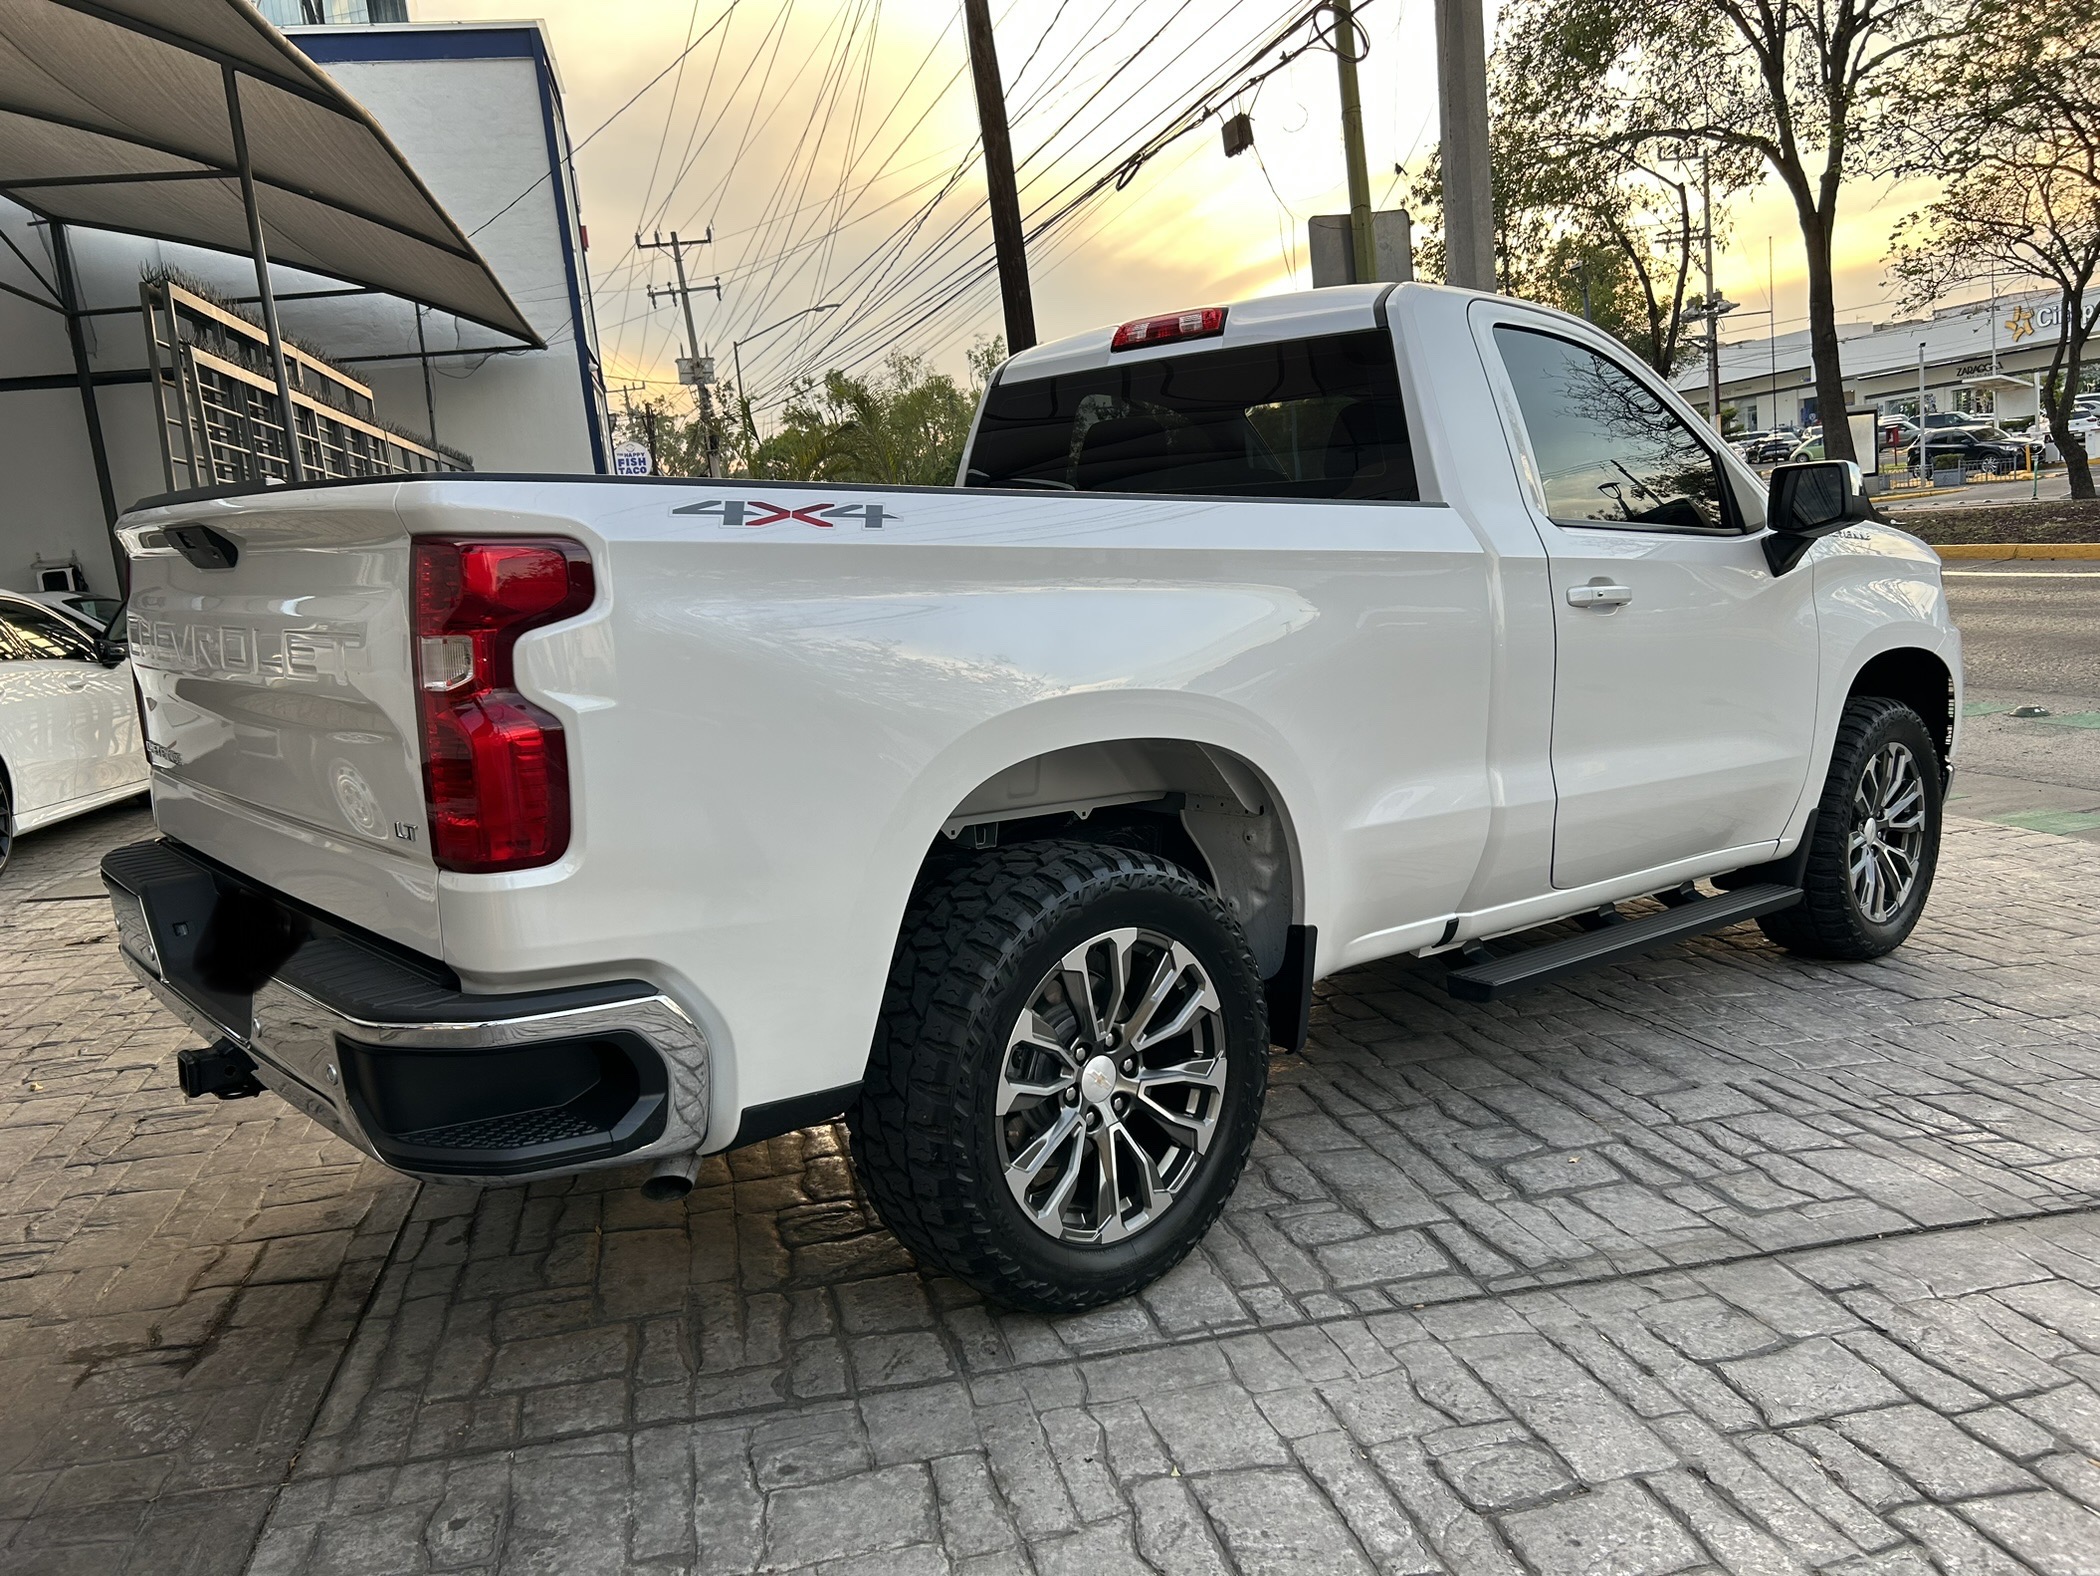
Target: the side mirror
pixel 112 653
pixel 1809 500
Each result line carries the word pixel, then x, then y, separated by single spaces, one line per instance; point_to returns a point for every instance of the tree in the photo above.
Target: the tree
pixel 1594 213
pixel 677 443
pixel 1580 227
pixel 1814 89
pixel 908 423
pixel 2015 131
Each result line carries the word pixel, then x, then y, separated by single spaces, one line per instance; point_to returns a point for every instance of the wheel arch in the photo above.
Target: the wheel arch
pixel 1921 680
pixel 1176 796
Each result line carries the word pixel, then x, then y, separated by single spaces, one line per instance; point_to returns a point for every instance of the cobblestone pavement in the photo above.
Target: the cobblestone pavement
pixel 1720 1260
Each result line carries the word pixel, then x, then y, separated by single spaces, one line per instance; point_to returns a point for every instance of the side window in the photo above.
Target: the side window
pixel 1315 418
pixel 38 636
pixel 1609 452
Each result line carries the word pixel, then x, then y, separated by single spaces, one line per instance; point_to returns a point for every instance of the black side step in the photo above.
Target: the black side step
pixel 1536 965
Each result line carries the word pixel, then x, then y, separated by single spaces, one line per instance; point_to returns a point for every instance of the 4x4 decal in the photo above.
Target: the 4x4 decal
pixel 756 512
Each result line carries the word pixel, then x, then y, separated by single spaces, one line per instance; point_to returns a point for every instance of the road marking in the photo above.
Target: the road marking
pixel 2064 823
pixel 2020 574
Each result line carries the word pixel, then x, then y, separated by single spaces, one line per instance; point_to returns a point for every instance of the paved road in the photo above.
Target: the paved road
pixel 1718 1261
pixel 2029 626
pixel 2030 637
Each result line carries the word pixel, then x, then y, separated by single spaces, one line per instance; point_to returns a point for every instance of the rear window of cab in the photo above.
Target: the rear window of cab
pixel 1307 418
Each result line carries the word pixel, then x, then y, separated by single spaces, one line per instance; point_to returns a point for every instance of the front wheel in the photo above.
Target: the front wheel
pixel 1875 840
pixel 1068 1074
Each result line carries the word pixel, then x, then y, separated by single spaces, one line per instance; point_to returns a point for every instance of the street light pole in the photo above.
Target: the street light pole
pixel 736 358
pixel 1772 334
pixel 1713 317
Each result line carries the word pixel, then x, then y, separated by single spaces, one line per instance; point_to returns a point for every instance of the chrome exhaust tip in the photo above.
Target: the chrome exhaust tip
pixel 673 1177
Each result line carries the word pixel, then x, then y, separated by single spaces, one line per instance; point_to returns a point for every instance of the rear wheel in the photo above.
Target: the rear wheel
pixel 1068 1074
pixel 1875 841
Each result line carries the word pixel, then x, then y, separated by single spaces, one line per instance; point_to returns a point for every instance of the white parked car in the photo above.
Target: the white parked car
pixel 69 722
pixel 96 613
pixel 512 827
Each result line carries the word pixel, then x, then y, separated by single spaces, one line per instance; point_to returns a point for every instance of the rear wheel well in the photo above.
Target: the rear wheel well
pixel 1206 809
pixel 1920 681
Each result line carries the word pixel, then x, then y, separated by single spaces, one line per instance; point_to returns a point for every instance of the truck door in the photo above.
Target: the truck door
pixel 1684 671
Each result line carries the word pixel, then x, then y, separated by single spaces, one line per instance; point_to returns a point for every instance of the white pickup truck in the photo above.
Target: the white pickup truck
pixel 517 825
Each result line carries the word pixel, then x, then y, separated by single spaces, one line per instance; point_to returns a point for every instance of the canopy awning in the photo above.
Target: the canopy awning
pixel 117 114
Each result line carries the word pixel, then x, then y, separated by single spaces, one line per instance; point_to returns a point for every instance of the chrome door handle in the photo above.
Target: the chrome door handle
pixel 76 684
pixel 1599 595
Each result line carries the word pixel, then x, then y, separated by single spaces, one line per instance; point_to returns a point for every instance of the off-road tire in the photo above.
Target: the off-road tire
pixel 974 943
pixel 1828 922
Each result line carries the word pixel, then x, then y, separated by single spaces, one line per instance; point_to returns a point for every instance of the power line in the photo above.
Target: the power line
pixel 964 276
pixel 1170 129
pixel 873 340
pixel 934 249
pixel 569 158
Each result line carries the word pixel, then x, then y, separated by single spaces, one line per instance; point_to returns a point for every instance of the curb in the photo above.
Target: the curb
pixel 2017 549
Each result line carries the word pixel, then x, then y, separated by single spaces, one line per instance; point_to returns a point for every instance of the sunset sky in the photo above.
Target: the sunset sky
pixel 830 144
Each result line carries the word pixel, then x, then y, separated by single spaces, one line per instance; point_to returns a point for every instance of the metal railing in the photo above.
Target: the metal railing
pixel 221 422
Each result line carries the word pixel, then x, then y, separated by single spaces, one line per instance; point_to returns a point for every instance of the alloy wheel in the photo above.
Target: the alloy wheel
pixel 1887 839
pixel 1111 1085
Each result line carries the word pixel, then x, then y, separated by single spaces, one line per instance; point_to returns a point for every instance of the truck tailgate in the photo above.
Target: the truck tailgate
pixel 273 658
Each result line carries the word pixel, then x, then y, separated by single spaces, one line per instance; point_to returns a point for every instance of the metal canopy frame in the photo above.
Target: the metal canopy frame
pixel 273 62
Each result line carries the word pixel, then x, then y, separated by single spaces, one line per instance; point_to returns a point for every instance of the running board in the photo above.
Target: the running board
pixel 1499 977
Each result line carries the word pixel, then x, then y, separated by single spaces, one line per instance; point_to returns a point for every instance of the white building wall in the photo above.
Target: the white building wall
pixel 50 505
pixel 475 127
pixel 1772 381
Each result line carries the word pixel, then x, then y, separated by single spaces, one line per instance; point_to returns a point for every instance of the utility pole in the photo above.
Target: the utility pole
pixel 1360 239
pixel 1713 308
pixel 695 371
pixel 1001 191
pixel 1462 111
pixel 626 393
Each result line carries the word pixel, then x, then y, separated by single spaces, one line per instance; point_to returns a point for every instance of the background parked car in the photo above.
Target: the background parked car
pixel 1966 447
pixel 99 613
pixel 69 722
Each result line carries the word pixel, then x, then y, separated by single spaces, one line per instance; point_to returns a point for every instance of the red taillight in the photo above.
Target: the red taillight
pixel 1206 322
pixel 495 767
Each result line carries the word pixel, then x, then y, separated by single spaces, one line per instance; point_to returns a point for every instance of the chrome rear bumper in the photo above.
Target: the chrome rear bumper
pixel 425 1077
